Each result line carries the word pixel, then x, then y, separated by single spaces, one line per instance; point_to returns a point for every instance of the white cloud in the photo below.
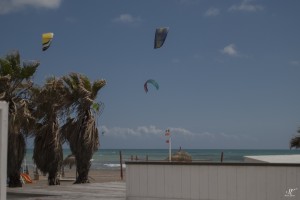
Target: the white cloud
pixel 181 131
pixel 295 62
pixel 175 60
pixel 198 56
pixel 246 6
pixel 143 131
pixel 144 137
pixel 127 19
pixel 125 132
pixel 149 130
pixel 218 136
pixel 8 6
pixel 70 20
pixel 230 50
pixel 212 12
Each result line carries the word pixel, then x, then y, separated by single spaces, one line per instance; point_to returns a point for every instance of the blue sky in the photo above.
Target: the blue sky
pixel 228 71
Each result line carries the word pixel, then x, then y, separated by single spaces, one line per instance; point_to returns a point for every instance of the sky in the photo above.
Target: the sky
pixel 228 71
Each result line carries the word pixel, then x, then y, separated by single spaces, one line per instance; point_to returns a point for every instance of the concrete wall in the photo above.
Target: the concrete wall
pixel 207 181
pixel 3 148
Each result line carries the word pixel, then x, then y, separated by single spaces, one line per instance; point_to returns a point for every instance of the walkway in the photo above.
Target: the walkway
pixel 92 191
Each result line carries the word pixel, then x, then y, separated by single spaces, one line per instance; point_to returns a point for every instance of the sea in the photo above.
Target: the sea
pixel 110 158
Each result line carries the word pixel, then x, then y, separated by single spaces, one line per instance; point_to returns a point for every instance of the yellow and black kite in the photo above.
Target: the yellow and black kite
pixel 47 39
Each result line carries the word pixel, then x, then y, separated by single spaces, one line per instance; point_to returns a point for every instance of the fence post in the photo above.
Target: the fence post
pixel 121 165
pixel 222 156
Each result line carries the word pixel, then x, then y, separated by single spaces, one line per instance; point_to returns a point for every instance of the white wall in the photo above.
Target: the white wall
pixel 211 181
pixel 3 148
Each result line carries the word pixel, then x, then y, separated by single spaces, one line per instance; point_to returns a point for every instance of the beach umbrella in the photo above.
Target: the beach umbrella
pixel 69 160
pixel 181 156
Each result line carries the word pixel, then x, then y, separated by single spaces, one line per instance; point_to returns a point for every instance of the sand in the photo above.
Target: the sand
pixel 104 185
pixel 95 176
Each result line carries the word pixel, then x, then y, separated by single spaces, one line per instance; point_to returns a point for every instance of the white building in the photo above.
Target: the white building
pixel 273 159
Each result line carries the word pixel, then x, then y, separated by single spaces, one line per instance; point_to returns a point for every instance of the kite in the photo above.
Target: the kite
pixel 47 39
pixel 153 82
pixel 160 37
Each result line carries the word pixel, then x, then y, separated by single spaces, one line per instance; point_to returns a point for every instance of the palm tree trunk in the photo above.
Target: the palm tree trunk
pixel 16 153
pixel 83 169
pixel 53 178
pixel 14 180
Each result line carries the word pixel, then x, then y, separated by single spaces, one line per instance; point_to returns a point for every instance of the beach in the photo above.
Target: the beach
pixel 104 175
pixel 95 176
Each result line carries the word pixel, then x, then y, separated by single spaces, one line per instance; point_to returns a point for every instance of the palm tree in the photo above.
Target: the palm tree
pixel 48 154
pixel 80 129
pixel 14 86
pixel 295 141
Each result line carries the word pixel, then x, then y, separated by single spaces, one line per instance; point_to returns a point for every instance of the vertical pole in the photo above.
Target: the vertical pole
pixel 121 165
pixel 222 156
pixel 76 174
pixel 170 147
pixel 3 148
pixel 168 134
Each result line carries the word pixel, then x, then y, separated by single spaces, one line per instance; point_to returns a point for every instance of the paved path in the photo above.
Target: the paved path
pixel 92 191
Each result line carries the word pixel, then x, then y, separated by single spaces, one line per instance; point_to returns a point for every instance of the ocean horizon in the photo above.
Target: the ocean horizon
pixel 110 158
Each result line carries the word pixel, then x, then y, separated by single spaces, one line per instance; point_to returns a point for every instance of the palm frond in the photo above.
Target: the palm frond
pixel 295 142
pixel 81 131
pixel 97 85
pixel 28 71
pixel 47 153
pixel 85 82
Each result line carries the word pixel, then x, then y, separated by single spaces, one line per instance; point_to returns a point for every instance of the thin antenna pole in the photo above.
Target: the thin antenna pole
pixel 170 151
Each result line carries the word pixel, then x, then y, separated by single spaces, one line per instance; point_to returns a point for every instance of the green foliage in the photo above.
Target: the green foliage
pixel 96 107
pixel 96 87
pixel 27 72
pixel 81 131
pixel 62 109
pixel 14 88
